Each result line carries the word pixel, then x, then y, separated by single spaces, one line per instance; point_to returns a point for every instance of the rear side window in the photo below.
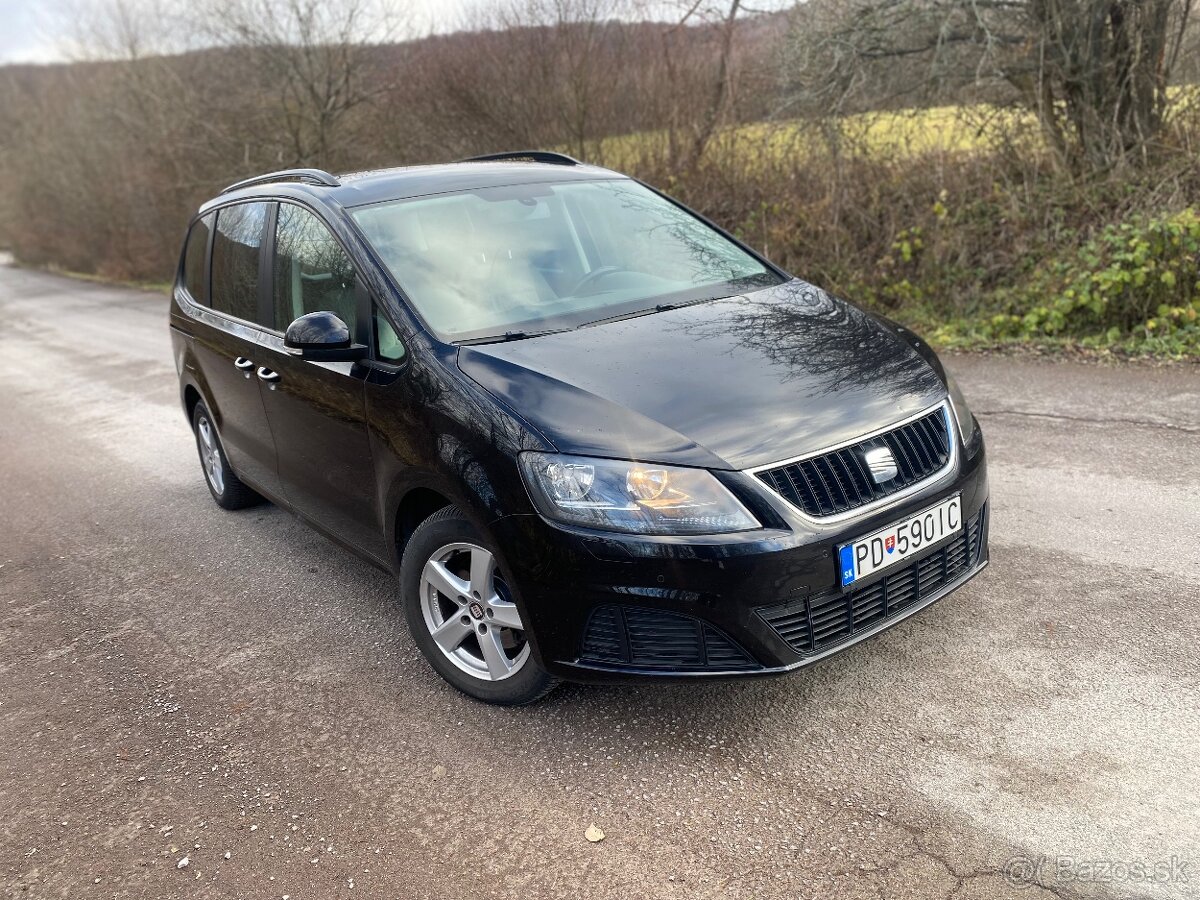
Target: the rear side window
pixel 312 271
pixel 235 256
pixel 195 260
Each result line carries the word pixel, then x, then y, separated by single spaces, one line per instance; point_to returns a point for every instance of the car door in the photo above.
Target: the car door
pixel 226 337
pixel 317 410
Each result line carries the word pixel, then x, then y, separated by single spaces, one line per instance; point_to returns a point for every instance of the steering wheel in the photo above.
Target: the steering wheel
pixel 593 276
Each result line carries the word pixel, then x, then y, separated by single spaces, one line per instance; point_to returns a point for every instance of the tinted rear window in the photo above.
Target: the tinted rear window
pixel 195 260
pixel 235 256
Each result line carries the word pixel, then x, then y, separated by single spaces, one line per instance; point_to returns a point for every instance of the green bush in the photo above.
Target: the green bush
pixel 1133 288
pixel 1134 285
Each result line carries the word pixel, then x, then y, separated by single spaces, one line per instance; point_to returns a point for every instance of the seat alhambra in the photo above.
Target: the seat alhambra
pixel 594 436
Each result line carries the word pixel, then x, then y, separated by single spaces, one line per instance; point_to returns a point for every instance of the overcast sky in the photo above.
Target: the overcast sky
pixel 37 30
pixel 22 39
pixel 31 30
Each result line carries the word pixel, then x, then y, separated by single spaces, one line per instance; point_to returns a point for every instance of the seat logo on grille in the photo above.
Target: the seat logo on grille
pixel 881 463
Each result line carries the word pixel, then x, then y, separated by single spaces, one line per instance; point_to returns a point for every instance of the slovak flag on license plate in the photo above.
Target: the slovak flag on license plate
pixel 890 544
pixel 846 558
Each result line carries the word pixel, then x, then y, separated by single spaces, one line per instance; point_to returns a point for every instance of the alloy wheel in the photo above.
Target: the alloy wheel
pixel 210 455
pixel 469 613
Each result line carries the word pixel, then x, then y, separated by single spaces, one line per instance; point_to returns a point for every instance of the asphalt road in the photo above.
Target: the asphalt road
pixel 176 680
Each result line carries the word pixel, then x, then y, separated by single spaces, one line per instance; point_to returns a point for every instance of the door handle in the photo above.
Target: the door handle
pixel 242 363
pixel 267 375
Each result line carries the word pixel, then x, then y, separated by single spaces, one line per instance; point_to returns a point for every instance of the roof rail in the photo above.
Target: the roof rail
pixel 310 176
pixel 542 156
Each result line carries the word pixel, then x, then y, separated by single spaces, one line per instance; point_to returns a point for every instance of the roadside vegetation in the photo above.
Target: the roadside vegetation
pixel 995 175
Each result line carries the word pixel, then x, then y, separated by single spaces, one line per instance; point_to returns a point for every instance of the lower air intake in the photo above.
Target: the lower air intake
pixel 637 638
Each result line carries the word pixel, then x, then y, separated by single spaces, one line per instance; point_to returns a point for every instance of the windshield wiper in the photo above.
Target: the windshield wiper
pixel 661 307
pixel 510 336
pixel 525 335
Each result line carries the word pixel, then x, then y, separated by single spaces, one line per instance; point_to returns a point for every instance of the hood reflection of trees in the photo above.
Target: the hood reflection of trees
pixel 804 331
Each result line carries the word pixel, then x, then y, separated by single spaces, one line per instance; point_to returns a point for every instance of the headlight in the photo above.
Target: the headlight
pixel 639 498
pixel 962 412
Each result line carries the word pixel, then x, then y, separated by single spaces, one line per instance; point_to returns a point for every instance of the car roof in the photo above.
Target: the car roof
pixel 381 185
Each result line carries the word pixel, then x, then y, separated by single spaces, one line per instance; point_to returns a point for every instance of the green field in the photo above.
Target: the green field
pixel 892 134
pixel 887 135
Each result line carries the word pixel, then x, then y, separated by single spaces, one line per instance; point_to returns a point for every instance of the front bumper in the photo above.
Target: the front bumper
pixel 613 608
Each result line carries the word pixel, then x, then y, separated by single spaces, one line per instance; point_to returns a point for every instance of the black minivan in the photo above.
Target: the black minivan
pixel 596 437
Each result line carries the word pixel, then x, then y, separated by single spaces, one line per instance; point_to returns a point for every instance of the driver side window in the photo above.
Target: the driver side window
pixel 312 271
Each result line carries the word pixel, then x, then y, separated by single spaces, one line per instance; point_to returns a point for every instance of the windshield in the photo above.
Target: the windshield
pixel 517 260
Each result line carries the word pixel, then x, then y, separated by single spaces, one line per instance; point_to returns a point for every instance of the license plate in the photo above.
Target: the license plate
pixel 899 541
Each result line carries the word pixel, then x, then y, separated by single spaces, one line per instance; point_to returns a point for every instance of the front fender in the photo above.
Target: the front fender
pixel 434 429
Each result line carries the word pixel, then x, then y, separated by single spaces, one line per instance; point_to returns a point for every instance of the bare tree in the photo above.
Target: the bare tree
pixel 1095 72
pixel 720 92
pixel 319 59
pixel 537 72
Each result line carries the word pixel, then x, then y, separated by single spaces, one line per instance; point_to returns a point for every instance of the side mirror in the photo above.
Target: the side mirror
pixel 322 336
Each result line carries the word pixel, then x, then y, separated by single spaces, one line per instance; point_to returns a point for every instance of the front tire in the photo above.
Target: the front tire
pixel 462 617
pixel 226 488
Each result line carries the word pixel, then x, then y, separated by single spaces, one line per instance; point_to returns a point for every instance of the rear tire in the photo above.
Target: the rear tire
pixel 462 617
pixel 226 488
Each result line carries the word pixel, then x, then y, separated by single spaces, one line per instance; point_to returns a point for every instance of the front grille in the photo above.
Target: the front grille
pixel 824 620
pixel 651 639
pixel 839 481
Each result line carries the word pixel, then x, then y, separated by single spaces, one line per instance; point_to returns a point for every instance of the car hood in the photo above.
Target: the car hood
pixel 732 383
